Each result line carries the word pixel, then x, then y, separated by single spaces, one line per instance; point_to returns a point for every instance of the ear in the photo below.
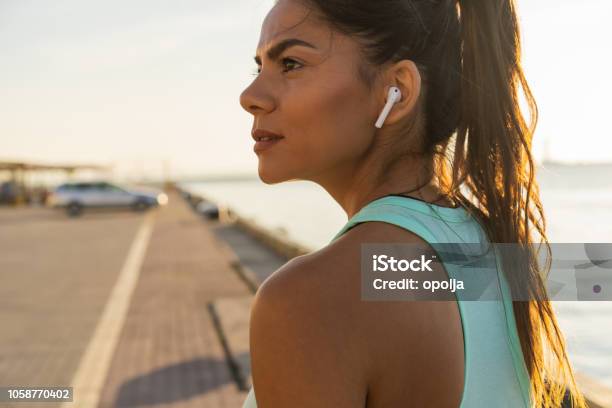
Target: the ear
pixel 405 75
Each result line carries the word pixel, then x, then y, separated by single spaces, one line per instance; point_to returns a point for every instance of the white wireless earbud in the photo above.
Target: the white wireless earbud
pixel 393 96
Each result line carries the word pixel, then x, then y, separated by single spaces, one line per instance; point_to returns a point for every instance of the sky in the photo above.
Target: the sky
pixel 152 87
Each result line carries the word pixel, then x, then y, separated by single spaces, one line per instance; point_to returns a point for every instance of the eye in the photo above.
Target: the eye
pixel 284 62
pixel 289 61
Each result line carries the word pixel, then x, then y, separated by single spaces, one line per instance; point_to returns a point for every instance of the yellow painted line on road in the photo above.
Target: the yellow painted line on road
pixel 89 378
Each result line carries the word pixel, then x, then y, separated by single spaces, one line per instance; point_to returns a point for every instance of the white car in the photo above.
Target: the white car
pixel 75 197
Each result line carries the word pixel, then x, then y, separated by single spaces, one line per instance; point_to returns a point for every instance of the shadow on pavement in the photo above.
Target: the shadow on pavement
pixel 166 385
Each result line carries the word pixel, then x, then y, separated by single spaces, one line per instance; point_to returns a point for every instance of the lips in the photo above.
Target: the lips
pixel 264 139
pixel 265 135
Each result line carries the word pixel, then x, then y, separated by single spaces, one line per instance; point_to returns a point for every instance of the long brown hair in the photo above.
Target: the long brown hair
pixel 469 55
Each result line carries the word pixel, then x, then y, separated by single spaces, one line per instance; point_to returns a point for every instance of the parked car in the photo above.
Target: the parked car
pixel 75 197
pixel 208 210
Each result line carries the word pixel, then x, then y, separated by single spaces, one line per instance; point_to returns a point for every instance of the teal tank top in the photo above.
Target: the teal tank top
pixel 495 373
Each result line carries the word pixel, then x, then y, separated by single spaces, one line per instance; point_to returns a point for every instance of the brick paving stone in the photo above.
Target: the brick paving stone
pixel 169 353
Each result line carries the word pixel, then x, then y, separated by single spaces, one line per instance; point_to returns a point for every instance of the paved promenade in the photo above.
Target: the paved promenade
pixel 117 304
pixel 56 276
pixel 169 353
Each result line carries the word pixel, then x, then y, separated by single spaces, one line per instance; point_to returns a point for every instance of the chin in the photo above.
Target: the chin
pixel 274 174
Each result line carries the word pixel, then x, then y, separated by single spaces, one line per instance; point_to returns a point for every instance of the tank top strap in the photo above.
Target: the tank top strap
pixel 407 212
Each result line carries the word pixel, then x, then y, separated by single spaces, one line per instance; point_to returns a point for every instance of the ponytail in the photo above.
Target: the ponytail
pixel 493 161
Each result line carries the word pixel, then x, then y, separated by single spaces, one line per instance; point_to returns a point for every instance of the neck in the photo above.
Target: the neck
pixel 354 186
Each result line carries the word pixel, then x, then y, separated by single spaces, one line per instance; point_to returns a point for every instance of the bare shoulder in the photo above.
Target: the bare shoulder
pixel 310 328
pixel 301 351
pixel 330 277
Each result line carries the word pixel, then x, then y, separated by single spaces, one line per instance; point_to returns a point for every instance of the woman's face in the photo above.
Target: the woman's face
pixel 309 92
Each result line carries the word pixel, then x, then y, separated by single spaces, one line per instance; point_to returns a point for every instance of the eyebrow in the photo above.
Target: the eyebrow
pixel 274 52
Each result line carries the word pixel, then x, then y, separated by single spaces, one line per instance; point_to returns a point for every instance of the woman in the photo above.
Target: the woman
pixel 325 71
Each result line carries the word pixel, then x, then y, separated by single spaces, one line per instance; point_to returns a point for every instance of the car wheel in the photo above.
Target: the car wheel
pixel 74 209
pixel 140 205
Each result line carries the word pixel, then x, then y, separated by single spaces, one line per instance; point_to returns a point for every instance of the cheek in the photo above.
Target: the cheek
pixel 332 121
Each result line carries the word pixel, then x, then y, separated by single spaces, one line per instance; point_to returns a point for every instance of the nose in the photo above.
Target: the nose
pixel 255 98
